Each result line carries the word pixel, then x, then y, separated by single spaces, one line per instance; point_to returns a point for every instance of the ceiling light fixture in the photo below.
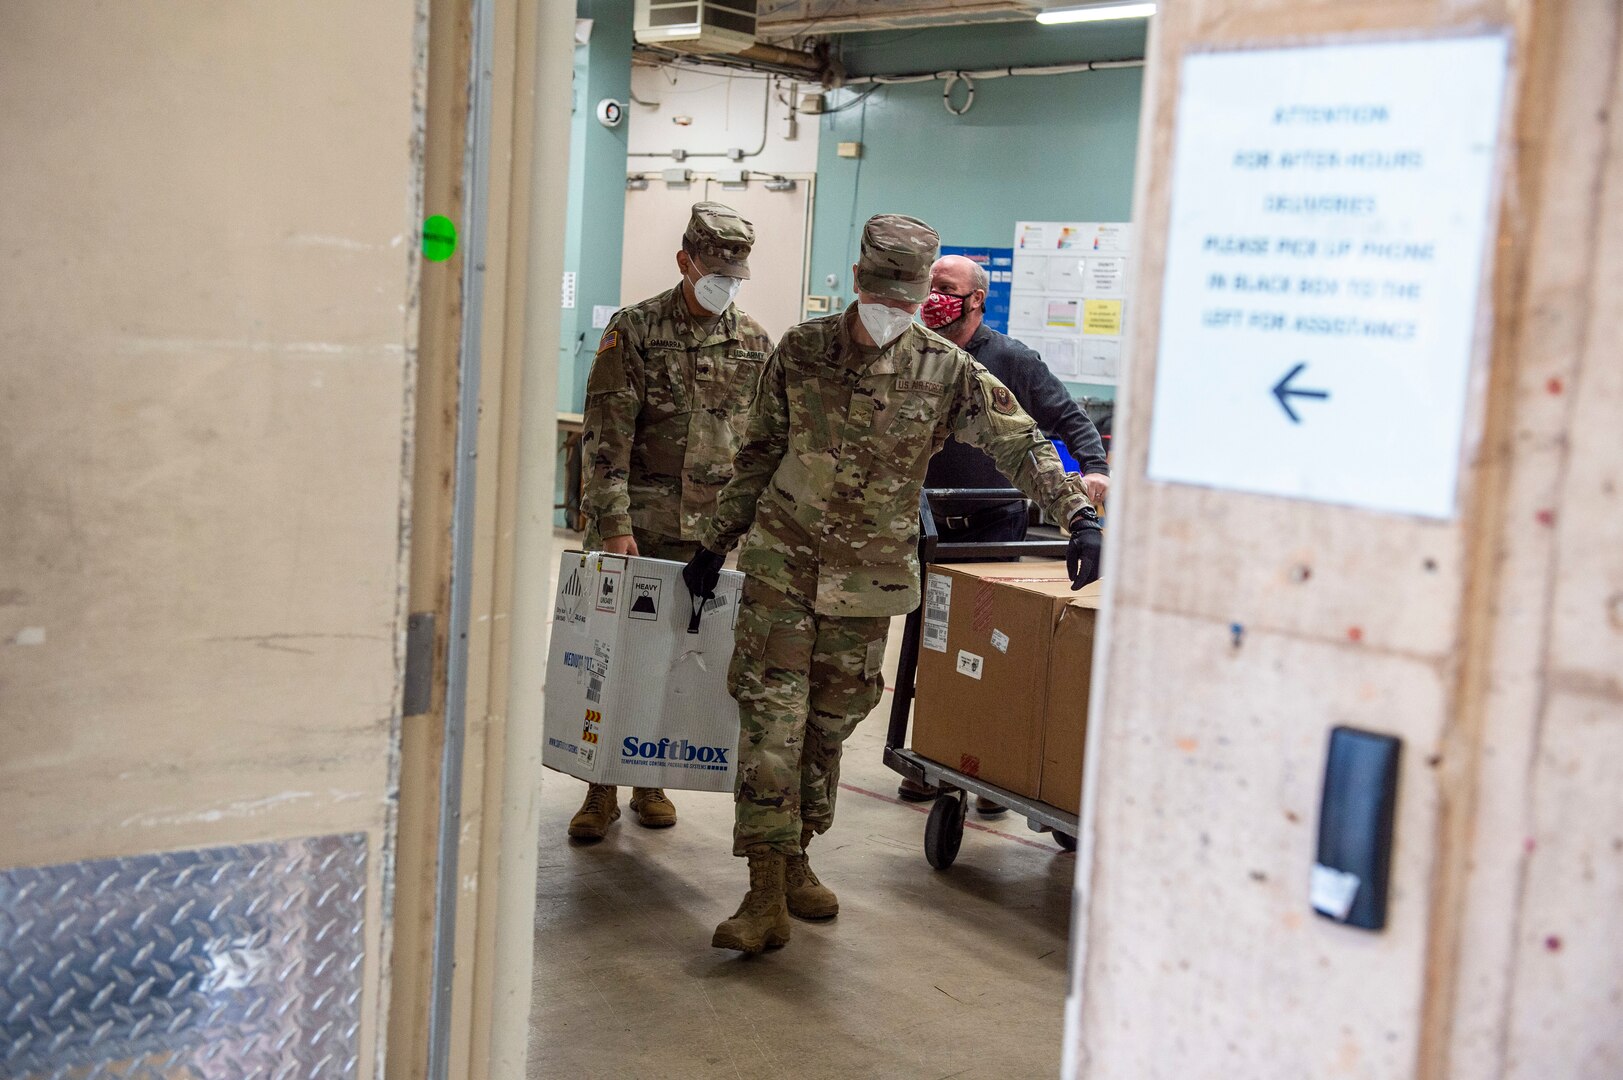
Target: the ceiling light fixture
pixel 1095 13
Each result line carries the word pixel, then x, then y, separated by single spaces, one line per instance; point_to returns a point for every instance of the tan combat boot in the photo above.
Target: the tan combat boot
pixel 596 814
pixel 807 897
pixel 653 809
pixel 762 921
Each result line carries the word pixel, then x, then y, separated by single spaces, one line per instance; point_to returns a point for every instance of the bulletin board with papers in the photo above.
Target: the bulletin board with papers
pixel 1069 291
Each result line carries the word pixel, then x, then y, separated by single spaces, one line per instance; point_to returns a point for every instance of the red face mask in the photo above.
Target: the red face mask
pixel 943 309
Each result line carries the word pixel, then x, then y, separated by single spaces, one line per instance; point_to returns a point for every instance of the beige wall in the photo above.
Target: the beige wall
pixel 209 275
pixel 1491 644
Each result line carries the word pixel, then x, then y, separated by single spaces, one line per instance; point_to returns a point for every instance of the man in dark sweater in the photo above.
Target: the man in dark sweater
pixel 956 309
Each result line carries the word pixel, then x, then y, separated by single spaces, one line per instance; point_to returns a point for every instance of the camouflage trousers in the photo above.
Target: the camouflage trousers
pixel 803 682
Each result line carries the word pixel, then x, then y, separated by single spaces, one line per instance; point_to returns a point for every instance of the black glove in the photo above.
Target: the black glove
pixel 702 573
pixel 1083 552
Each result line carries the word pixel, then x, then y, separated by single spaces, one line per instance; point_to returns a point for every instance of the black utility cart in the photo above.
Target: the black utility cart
pixel 944 831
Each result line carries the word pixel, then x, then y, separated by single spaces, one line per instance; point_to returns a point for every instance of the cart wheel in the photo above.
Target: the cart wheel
pixel 1064 840
pixel 944 832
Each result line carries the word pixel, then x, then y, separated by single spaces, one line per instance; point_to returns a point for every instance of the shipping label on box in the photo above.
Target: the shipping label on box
pixel 633 698
pixel 937 607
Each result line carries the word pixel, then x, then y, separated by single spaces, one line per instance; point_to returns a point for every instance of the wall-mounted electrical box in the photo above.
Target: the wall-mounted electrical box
pixel 819 305
pixel 849 149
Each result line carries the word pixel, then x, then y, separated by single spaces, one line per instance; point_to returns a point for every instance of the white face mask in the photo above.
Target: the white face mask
pixel 883 323
pixel 715 292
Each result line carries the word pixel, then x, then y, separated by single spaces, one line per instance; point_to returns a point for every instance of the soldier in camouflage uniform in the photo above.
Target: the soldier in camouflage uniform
pixel 666 404
pixel 826 483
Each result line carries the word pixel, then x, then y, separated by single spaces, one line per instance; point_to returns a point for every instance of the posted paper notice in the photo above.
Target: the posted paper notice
pixel 1330 220
pixel 1102 317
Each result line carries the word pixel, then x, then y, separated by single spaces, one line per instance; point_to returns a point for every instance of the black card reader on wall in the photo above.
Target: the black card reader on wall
pixel 1355 828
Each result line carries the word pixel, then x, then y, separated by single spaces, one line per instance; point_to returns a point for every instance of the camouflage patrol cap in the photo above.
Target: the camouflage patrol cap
pixel 719 239
pixel 896 255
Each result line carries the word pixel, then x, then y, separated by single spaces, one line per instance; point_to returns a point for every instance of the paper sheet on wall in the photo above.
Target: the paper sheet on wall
pixel 1104 277
pixel 1098 356
pixel 1031 236
pixel 1102 317
pixel 1025 313
pixel 1061 356
pixel 1065 274
pixel 1061 313
pixel 1109 238
pixel 1072 238
pixel 1030 271
pixel 1331 211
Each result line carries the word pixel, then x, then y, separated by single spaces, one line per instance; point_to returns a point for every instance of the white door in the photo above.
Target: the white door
pixel 657 214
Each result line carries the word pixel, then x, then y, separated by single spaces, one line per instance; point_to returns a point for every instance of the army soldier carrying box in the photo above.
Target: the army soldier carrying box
pixel 666 404
pixel 826 483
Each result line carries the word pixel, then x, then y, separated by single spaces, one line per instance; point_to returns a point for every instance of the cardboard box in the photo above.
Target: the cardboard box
pixel 632 697
pixel 984 680
pixel 1065 716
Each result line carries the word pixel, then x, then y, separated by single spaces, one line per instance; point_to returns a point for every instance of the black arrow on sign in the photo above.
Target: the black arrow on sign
pixel 1284 391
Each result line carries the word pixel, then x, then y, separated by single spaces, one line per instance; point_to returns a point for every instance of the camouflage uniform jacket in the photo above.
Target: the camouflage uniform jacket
pixel 666 405
pixel 827 480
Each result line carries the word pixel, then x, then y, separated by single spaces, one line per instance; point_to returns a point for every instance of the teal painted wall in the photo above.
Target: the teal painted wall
pixel 595 225
pixel 597 194
pixel 1045 148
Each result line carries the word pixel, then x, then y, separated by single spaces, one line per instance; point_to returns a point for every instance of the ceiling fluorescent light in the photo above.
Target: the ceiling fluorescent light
pixel 1095 13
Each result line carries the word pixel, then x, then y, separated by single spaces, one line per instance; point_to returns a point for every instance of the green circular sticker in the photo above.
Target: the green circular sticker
pixel 439 238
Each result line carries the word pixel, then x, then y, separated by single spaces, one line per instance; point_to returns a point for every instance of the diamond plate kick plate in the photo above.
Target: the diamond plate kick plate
pixel 231 962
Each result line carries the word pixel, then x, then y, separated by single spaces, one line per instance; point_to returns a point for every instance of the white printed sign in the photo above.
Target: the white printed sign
pixel 1330 216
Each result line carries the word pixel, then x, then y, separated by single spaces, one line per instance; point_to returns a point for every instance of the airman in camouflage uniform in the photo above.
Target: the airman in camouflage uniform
pixel 827 486
pixel 666 403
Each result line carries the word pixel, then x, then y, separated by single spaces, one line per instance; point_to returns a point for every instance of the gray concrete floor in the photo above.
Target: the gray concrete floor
pixel 924 974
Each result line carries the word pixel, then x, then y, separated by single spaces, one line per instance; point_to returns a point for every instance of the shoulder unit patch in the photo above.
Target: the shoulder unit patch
pixel 1003 401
